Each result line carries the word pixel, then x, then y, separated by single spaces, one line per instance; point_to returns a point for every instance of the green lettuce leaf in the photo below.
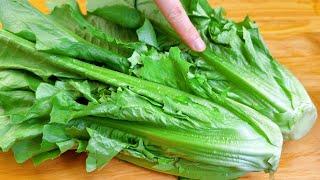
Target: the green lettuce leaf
pixel 52 37
pixel 94 29
pixel 18 80
pixel 19 132
pixel 121 12
pixel 147 34
pixel 101 149
pixel 175 124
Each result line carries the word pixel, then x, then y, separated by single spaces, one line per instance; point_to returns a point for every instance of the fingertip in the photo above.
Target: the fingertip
pixel 198 45
pixel 179 20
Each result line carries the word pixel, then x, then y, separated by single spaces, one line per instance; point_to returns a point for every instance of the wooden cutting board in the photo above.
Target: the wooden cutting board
pixel 291 28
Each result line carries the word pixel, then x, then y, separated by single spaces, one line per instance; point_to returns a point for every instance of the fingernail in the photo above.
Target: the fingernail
pixel 199 45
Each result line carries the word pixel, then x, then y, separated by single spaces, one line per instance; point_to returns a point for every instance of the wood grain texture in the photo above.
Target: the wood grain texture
pixel 291 28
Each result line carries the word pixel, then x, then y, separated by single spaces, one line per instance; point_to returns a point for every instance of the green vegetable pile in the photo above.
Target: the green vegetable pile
pixel 119 83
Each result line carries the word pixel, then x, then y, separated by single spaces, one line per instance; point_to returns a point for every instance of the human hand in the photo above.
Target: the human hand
pixel 179 20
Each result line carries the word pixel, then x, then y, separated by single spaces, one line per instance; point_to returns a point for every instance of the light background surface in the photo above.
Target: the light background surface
pixel 291 29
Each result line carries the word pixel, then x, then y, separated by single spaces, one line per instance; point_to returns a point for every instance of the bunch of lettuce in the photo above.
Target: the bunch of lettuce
pixel 118 82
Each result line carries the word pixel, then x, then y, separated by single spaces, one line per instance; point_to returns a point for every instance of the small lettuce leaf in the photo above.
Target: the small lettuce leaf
pixel 121 12
pixel 147 34
pixel 94 29
pixel 101 150
pixel 14 133
pixel 18 80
